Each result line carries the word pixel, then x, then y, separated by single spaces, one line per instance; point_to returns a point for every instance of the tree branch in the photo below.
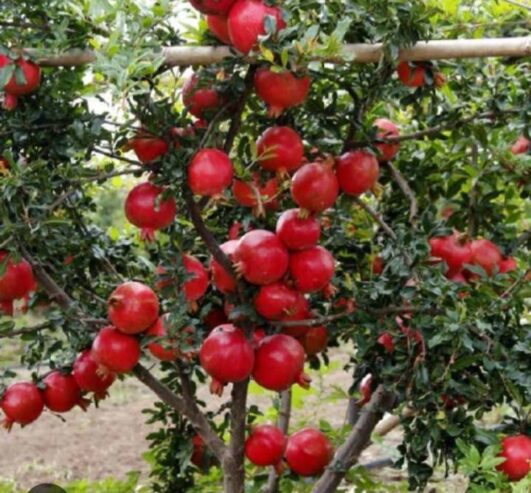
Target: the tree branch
pixel 473 194
pixel 26 330
pixel 406 189
pixel 369 210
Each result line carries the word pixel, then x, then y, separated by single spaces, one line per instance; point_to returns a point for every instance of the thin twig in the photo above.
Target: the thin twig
pixel 516 284
pixel 26 330
pixel 406 190
pixel 473 195
pixel 369 210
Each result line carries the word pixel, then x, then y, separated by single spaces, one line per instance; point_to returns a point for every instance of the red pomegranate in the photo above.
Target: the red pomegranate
pixel 386 340
pixel 133 307
pixel 220 278
pixel 365 389
pixel 31 72
pixel 216 7
pixel 280 150
pixel 62 393
pixel 387 128
pixel 521 146
pixel 88 378
pixel 452 251
pixel 280 90
pixel 314 340
pixel 411 74
pixel 17 279
pixel 265 445
pixel 209 172
pixel 256 195
pixel 145 209
pixel 311 269
pixel 147 147
pixel 202 102
pixel 246 23
pixel 215 317
pixel 198 452
pixel 357 172
pixel 275 301
pixel 234 230
pixel 9 102
pixel 377 265
pixel 218 26
pixel 279 363
pixel 7 308
pixel 308 452
pixel 516 450
pixel 115 351
pixel 485 254
pixel 227 356
pixel 314 187
pixel 197 284
pixel 261 257
pixel 165 348
pixel 507 264
pixel 22 403
pixel 296 232
pixel 300 310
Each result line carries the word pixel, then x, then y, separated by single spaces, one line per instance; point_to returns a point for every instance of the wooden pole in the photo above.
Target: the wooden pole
pixel 351 53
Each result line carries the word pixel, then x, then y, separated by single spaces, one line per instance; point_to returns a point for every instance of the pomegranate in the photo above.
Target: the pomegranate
pixel 31 72
pixel 516 450
pixel 507 264
pixel 215 317
pixel 457 277
pixel 311 269
pixel 198 452
pixel 202 102
pixel 9 102
pixel 197 284
pixel 452 251
pixel 218 26
pixel 246 23
pixel 486 255
pixel 365 389
pixel 296 232
pixel 147 147
pixel 279 363
pixel 261 257
pixel 133 307
pixel 299 311
pixel 220 278
pixel 357 172
pixel 280 91
pixel 308 452
pixel 387 128
pixel 216 7
pixel 314 187
pixel 275 301
pixel 234 231
pixel 280 150
pixel 88 378
pixel 386 340
pixel 62 393
pixel 145 209
pixel 411 74
pixel 7 308
pixel 256 195
pixel 164 350
pixel 22 403
pixel 521 146
pixel 227 356
pixel 377 265
pixel 209 172
pixel 114 351
pixel 314 340
pixel 265 445
pixel 17 279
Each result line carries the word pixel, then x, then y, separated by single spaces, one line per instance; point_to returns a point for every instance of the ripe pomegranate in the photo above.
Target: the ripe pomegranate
pixel 145 209
pixel 452 251
pixel 275 301
pixel 215 317
pixel 17 279
pixel 9 102
pixel 296 232
pixel 166 349
pixel 314 187
pixel 279 363
pixel 256 195
pixel 198 452
pixel 234 231
pixel 220 278
pixel 227 356
pixel 386 340
pixel 280 91
pixel 32 76
pixel 261 257
pixel 311 269
pixel 377 265
pixel 485 254
pixel 194 287
pixel 300 310
pixel 457 277
pixel 218 26
pixel 411 74
pixel 62 393
pixel 265 445
pixel 246 23
pixel 365 389
pixel 7 308
pixel 308 452
pixel 147 147
pixel 216 7
pixel 280 150
pixel 516 450
pixel 521 146
pixel 115 351
pixel 507 264
pixel 22 403
pixel 209 172
pixel 133 307
pixel 88 378
pixel 314 340
pixel 357 172
pixel 387 128
pixel 202 102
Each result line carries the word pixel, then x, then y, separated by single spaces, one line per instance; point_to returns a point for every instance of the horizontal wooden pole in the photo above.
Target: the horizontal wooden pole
pixel 355 53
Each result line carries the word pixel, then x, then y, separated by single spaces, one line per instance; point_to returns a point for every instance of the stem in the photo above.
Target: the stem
pixel 369 210
pixel 406 190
